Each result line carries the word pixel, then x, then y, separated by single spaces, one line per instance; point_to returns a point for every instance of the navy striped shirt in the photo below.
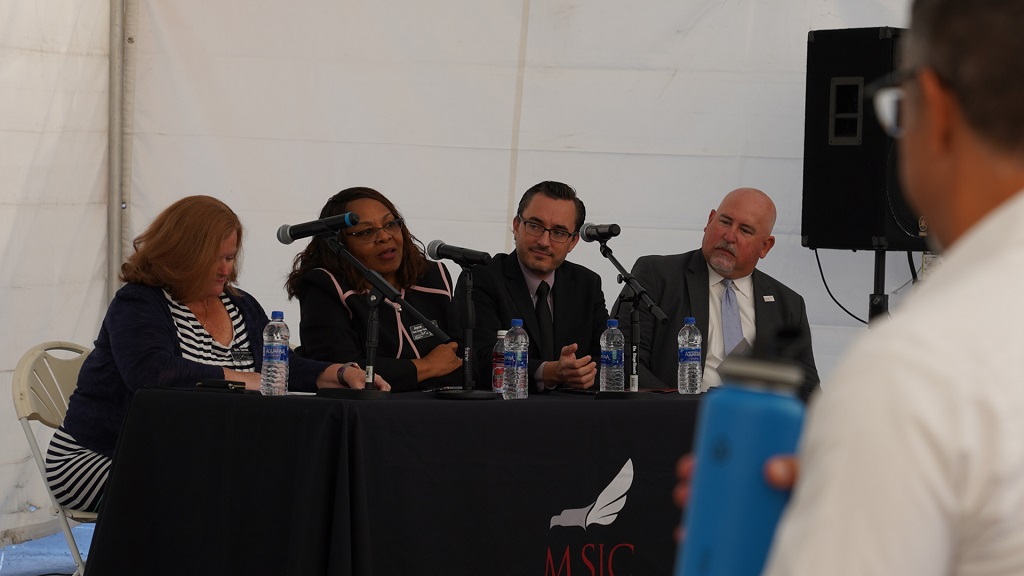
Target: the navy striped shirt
pixel 197 344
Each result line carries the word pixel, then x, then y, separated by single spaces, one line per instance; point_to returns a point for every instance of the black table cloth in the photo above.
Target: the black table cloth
pixel 233 483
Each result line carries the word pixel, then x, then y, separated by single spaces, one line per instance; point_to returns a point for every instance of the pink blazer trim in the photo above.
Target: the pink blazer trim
pixel 403 334
pixel 444 278
pixel 343 296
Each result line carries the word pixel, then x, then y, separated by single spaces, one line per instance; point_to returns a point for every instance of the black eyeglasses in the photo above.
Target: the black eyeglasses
pixel 370 235
pixel 556 235
pixel 887 95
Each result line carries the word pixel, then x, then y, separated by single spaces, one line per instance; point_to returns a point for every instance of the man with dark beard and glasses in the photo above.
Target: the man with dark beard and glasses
pixel 718 286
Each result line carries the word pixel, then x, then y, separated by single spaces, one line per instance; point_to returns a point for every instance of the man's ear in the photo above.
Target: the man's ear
pixel 767 245
pixel 711 216
pixel 938 107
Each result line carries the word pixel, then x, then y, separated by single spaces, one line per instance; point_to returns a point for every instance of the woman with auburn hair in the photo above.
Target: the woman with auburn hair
pixel 335 312
pixel 178 319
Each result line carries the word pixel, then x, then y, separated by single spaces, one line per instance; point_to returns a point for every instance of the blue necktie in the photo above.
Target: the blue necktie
pixel 732 328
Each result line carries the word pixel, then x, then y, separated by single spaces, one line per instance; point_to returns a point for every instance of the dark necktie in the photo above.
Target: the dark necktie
pixel 547 338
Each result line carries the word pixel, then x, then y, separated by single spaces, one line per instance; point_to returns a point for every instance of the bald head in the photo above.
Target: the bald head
pixel 739 232
pixel 754 201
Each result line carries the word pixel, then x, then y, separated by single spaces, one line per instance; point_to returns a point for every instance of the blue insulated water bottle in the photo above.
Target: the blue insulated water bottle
pixel 732 512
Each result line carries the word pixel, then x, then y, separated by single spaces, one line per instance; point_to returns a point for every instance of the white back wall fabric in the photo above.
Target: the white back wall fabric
pixel 53 144
pixel 652 110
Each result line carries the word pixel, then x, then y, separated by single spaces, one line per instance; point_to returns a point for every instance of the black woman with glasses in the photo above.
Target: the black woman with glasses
pixel 334 307
pixel 560 303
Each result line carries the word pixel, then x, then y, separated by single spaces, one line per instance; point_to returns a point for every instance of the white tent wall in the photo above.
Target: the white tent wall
pixel 53 153
pixel 651 109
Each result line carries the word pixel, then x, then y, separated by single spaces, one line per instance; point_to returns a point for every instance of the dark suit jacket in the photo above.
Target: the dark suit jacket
pixel 500 294
pixel 679 285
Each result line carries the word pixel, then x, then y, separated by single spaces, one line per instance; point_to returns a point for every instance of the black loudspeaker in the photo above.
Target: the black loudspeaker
pixel 851 195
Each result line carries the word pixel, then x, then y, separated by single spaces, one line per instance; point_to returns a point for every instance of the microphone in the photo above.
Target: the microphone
pixel 598 232
pixel 462 256
pixel 287 234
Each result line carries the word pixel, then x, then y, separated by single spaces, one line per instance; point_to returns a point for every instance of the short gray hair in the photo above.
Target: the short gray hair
pixel 976 47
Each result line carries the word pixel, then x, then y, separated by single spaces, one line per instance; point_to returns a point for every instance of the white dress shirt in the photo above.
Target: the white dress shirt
pixel 912 459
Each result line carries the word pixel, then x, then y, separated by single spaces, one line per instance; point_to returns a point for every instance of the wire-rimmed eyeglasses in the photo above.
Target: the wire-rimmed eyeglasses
pixel 370 235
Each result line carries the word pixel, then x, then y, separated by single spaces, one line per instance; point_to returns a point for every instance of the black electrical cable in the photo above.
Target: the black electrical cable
pixel 825 282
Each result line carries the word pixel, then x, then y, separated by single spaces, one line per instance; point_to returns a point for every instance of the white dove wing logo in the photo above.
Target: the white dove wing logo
pixel 607 506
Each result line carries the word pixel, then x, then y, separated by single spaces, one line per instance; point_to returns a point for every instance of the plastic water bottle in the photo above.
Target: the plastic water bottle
pixel 274 376
pixel 732 512
pixel 517 349
pixel 498 364
pixel 613 345
pixel 689 376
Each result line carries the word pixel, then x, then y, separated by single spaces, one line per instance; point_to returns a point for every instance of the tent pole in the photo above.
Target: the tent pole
pixel 115 139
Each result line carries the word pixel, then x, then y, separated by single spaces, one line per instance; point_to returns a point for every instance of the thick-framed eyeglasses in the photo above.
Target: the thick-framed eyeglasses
pixel 887 95
pixel 556 235
pixel 370 235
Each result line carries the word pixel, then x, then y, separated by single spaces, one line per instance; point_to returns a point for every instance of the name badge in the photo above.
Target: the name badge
pixel 419 332
pixel 769 298
pixel 241 355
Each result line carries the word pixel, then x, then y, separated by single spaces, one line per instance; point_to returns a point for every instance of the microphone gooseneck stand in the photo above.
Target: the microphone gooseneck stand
pixel 468 391
pixel 634 292
pixel 380 290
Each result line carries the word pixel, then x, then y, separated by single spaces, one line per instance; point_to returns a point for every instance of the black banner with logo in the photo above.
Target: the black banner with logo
pixel 546 486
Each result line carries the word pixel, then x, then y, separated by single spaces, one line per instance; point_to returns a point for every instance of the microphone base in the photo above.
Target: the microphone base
pixel 353 394
pixel 463 394
pixel 625 395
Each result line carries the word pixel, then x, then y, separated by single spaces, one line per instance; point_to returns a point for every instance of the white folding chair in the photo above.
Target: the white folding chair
pixel 42 385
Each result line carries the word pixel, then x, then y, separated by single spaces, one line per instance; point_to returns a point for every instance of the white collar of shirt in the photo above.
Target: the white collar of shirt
pixel 744 286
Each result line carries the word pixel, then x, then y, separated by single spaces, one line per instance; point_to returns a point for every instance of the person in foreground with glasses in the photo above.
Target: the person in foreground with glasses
pixel 335 310
pixel 560 303
pixel 911 460
pixel 696 283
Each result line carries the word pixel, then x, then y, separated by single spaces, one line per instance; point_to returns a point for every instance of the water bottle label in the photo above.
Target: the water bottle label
pixel 689 355
pixel 498 375
pixel 515 359
pixel 275 352
pixel 612 358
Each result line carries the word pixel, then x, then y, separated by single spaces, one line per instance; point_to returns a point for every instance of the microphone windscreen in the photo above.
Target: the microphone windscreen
pixel 585 232
pixel 432 249
pixel 283 236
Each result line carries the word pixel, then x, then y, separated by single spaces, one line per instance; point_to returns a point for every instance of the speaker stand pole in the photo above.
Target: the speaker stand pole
pixel 878 304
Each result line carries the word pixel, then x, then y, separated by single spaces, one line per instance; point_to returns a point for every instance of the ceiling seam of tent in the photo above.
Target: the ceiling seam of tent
pixel 517 113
